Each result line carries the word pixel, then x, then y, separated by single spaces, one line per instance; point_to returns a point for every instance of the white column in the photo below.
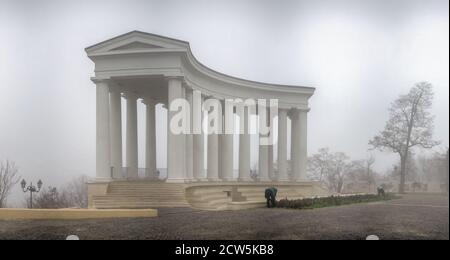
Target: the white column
pixel 295 145
pixel 264 158
pixel 189 139
pixel 198 145
pixel 175 142
pixel 116 130
pixel 282 145
pixel 303 142
pixel 244 148
pixel 270 161
pixel 226 147
pixel 150 138
pixel 213 156
pixel 263 163
pixel 103 170
pixel 132 146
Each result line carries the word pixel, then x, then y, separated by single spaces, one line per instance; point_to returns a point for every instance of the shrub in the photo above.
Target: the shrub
pixel 320 202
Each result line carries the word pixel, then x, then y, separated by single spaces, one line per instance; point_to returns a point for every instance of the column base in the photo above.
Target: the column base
pixel 175 180
pixel 229 180
pixel 201 180
pixel 245 180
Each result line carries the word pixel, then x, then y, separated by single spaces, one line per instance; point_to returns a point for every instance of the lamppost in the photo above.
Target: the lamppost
pixel 31 189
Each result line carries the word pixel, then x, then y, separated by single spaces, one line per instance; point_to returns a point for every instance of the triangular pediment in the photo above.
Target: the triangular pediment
pixel 136 46
pixel 136 41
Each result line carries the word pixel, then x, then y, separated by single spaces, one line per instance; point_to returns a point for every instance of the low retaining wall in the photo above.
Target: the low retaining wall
pixel 73 214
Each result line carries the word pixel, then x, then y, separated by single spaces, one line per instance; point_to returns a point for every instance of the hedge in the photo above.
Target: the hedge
pixel 320 202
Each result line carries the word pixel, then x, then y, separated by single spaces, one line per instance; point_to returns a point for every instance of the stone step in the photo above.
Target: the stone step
pixel 139 195
pixel 145 184
pixel 208 196
pixel 139 206
pixel 105 200
pixel 135 196
pixel 151 193
pixel 111 202
pixel 210 202
pixel 136 201
pixel 146 188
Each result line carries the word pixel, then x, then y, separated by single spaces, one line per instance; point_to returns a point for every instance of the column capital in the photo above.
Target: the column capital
pixel 292 112
pixel 149 101
pixel 114 87
pixel 299 109
pixel 283 111
pixel 306 110
pixel 208 96
pixel 130 95
pixel 186 85
pixel 169 78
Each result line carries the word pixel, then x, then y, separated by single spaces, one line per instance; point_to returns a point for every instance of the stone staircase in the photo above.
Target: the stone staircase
pixel 208 198
pixel 141 195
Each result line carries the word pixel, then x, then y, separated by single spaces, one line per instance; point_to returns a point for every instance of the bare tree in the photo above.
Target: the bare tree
pixel 50 198
pixel 319 164
pixel 341 168
pixel 363 171
pixel 8 178
pixel 76 192
pixel 410 125
pixel 72 195
pixel 330 168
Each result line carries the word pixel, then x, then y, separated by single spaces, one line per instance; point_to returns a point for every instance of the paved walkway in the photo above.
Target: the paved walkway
pixel 411 217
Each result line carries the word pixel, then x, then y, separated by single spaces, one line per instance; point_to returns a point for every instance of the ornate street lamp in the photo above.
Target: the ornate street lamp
pixel 31 189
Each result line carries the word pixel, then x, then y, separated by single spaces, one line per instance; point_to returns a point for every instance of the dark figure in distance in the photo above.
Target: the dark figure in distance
pixel 381 191
pixel 271 197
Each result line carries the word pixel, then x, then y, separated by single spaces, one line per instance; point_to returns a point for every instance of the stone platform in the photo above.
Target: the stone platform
pixel 199 195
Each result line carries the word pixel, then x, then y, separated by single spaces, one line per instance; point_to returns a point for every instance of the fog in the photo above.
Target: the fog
pixel 360 55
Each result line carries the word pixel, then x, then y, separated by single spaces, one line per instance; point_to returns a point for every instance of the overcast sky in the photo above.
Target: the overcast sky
pixel 360 55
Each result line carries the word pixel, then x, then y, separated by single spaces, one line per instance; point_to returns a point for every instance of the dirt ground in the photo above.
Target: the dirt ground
pixel 415 216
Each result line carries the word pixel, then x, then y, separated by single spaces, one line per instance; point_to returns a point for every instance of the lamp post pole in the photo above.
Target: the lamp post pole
pixel 31 189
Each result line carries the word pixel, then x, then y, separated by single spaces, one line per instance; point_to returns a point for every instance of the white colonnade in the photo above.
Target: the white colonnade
pixel 185 152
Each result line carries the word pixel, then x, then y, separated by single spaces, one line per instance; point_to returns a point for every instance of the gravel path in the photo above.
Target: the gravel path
pixel 411 217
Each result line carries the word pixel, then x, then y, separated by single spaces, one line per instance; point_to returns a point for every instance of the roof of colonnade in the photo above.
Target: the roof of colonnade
pixel 128 50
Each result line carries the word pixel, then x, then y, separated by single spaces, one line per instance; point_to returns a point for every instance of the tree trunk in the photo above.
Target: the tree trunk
pixel 340 186
pixel 401 188
pixel 446 174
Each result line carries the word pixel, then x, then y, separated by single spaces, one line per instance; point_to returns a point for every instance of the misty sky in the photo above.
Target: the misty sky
pixel 360 55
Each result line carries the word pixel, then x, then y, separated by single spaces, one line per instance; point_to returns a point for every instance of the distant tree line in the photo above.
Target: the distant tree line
pixel 410 126
pixel 336 169
pixel 72 195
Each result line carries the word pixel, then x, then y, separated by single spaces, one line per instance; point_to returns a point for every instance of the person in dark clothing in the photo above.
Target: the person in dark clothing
pixel 381 191
pixel 271 197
